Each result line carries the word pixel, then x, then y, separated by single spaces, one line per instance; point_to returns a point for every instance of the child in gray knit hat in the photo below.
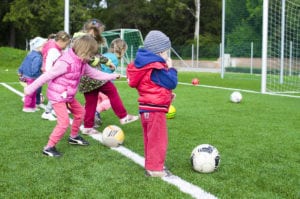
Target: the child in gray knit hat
pixel 152 75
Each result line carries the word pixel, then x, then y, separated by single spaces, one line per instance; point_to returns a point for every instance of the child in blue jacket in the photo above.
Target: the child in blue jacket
pixel 30 70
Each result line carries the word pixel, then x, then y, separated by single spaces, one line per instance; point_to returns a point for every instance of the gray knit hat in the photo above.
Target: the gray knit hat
pixel 156 42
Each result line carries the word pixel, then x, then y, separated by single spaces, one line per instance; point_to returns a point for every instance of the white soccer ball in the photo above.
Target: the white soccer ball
pixel 205 158
pixel 236 97
pixel 113 136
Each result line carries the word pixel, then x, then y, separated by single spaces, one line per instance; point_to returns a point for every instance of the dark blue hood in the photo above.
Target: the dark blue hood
pixel 144 57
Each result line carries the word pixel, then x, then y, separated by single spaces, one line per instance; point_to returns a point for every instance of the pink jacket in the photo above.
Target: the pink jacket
pixel 63 78
pixel 50 44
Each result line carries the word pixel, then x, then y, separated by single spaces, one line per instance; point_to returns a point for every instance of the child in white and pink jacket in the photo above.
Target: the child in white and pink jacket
pixel 63 80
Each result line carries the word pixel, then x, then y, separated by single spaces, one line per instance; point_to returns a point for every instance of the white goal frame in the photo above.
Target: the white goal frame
pixel 279 57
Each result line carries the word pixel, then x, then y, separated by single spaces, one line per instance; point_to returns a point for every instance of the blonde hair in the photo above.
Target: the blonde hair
pixel 119 47
pixel 85 47
pixel 97 26
pixel 61 35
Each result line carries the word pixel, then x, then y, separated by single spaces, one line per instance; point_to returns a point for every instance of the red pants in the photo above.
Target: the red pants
pixel 91 99
pixel 63 121
pixel 155 139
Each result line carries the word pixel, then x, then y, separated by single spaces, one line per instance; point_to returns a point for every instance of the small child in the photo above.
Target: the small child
pixel 91 88
pixel 51 51
pixel 30 69
pixel 63 80
pixel 152 75
pixel 116 51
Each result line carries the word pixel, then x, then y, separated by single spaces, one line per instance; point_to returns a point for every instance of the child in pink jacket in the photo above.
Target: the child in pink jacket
pixel 63 80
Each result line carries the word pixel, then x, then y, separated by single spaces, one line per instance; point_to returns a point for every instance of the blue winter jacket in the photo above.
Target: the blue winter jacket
pixel 31 65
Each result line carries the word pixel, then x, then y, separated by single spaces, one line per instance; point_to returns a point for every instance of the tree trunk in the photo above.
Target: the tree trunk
pixel 12 36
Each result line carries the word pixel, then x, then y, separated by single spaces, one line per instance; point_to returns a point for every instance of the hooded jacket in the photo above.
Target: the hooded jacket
pixel 153 80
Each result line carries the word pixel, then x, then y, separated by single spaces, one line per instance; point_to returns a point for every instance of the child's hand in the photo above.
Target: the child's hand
pixel 116 76
pixel 21 78
pixel 173 96
pixel 25 91
pixel 112 67
pixel 169 62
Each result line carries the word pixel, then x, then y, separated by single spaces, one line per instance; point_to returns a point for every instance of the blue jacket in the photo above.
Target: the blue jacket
pixel 114 60
pixel 31 65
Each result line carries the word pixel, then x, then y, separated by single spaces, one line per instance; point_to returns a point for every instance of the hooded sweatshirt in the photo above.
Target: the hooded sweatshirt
pixel 153 80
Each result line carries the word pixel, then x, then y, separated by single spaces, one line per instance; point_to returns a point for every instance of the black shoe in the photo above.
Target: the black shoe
pixel 78 140
pixel 51 151
pixel 98 120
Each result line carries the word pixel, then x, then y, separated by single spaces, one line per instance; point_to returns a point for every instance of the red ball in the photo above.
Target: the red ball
pixel 195 81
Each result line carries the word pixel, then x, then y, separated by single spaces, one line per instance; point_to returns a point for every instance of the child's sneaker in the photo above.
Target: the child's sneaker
pixel 51 151
pixel 128 119
pixel 48 116
pixel 98 120
pixel 78 140
pixel 159 174
pixel 29 110
pixel 89 131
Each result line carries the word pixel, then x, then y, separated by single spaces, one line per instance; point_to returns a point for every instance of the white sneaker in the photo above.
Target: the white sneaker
pixel 48 116
pixel 53 112
pixel 159 174
pixel 128 119
pixel 89 131
pixel 29 110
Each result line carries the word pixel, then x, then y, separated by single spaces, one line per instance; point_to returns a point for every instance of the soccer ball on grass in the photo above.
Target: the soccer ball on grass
pixel 113 136
pixel 195 81
pixel 236 97
pixel 205 158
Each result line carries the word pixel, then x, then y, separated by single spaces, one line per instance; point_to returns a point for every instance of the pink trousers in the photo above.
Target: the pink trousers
pixel 63 121
pixel 30 100
pixel 155 139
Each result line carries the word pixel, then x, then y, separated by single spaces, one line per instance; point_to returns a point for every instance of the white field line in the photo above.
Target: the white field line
pixel 182 185
pixel 242 90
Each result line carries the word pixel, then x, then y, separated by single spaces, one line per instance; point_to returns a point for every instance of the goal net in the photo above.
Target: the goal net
pixel 282 66
pixel 134 40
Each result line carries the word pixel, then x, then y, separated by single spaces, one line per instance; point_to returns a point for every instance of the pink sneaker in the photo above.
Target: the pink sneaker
pixel 89 131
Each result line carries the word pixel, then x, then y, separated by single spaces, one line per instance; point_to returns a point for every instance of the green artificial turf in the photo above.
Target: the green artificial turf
pixel 258 140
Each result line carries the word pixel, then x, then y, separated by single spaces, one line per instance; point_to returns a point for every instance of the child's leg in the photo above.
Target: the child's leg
pixel 111 91
pixel 38 96
pixel 30 100
pixel 78 113
pixel 90 108
pixel 48 108
pixel 62 123
pixel 155 140
pixel 103 103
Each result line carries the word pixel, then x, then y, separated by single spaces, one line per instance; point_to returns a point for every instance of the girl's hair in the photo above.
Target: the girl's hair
pixel 61 35
pixel 97 26
pixel 85 47
pixel 118 46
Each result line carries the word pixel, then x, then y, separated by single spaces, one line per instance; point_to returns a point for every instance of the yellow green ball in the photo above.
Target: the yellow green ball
pixel 171 112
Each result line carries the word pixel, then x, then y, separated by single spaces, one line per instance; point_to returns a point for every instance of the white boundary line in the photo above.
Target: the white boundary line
pixel 242 90
pixel 183 186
